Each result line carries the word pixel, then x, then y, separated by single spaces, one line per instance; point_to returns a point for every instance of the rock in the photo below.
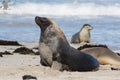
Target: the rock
pixel 37 53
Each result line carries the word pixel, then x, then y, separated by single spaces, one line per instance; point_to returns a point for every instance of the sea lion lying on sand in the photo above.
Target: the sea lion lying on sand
pixel 102 53
pixel 83 35
pixel 54 47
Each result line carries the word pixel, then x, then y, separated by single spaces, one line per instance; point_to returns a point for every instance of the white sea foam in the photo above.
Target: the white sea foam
pixel 70 9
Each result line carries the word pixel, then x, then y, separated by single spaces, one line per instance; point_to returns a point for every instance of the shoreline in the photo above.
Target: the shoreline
pixel 32 44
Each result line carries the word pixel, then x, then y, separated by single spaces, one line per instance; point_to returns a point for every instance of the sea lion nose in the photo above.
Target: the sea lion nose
pixel 40 18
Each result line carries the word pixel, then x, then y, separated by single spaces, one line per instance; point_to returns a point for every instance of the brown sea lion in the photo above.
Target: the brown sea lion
pixel 54 47
pixel 83 35
pixel 102 53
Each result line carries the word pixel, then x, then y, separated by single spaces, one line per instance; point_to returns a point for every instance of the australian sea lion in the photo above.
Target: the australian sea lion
pixel 54 47
pixel 83 35
pixel 102 53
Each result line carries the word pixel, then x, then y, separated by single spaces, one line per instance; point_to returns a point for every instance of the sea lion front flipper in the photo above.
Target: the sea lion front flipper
pixel 56 65
pixel 45 54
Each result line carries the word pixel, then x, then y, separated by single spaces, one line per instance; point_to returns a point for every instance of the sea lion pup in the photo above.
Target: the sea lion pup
pixel 83 35
pixel 54 47
pixel 102 53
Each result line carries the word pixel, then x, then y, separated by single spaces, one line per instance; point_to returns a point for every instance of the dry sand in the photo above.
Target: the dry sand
pixel 13 67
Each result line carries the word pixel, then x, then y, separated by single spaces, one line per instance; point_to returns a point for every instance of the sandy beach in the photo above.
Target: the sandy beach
pixel 13 67
pixel 17 23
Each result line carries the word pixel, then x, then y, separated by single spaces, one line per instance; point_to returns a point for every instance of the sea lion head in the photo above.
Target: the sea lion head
pixel 42 22
pixel 49 27
pixel 51 34
pixel 87 26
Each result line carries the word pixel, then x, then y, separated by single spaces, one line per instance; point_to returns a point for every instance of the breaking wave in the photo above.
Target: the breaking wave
pixel 67 9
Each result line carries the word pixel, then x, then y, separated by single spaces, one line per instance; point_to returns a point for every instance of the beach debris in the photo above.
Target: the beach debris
pixel 118 54
pixel 29 77
pixel 1 55
pixel 6 53
pixel 112 68
pixel 37 53
pixel 24 50
pixel 11 43
pixel 35 48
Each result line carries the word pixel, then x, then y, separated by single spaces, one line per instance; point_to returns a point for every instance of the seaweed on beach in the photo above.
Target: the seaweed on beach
pixel 24 50
pixel 1 55
pixel 29 77
pixel 12 43
pixel 6 53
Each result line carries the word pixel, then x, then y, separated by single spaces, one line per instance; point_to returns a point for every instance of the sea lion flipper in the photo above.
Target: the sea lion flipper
pixel 56 65
pixel 46 55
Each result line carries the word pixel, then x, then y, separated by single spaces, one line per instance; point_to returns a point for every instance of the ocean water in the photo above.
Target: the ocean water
pixel 17 23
